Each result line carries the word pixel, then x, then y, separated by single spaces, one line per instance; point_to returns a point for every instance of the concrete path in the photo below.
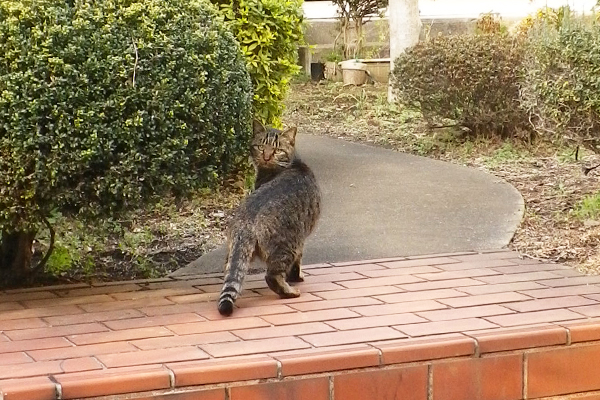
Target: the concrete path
pixel 380 203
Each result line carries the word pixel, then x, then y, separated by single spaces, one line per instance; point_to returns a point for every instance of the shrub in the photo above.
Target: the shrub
pixel 471 79
pixel 561 88
pixel 269 32
pixel 107 105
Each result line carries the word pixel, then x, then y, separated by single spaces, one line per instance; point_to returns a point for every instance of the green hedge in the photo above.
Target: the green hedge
pixel 269 32
pixel 105 105
pixel 471 79
pixel 561 82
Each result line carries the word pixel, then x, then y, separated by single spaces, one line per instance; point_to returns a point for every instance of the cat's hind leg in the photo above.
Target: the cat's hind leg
pixel 277 268
pixel 295 273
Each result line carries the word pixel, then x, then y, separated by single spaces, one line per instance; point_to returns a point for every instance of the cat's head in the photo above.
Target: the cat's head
pixel 272 148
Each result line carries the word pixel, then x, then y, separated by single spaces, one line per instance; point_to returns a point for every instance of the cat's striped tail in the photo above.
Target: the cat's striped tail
pixel 240 253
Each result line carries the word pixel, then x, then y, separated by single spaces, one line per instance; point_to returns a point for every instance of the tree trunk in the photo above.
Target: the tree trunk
pixel 405 28
pixel 15 256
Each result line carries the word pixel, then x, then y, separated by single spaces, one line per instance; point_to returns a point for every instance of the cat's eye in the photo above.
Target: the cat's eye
pixel 259 147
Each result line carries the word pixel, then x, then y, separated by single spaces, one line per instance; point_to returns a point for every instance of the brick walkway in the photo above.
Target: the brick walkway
pixel 164 337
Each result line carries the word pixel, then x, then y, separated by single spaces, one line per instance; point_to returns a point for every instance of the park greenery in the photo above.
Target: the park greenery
pixel 124 124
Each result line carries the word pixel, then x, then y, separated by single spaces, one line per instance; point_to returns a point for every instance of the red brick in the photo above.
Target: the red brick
pixel 593 296
pixel 204 394
pixel 530 268
pixel 28 389
pixel 380 320
pixel 501 288
pixel 5 298
pixel 30 369
pixel 568 272
pixel 233 369
pixel 302 389
pixel 201 297
pixel 183 283
pixel 39 333
pixel 172 309
pixel 156 356
pixel 349 268
pixel 563 291
pixel 40 312
pixel 125 304
pixel 153 321
pixel 584 332
pixel 484 299
pixel 14 358
pixel 319 265
pixel 25 323
pixel 68 301
pixel 438 255
pixel 448 284
pixel 383 281
pixel 333 277
pixel 550 303
pixel 515 339
pixel 352 336
pixel 563 371
pixel 94 290
pixel 493 378
pixel 310 316
pixel 425 269
pixel 80 351
pixel 411 350
pixel 420 262
pixel 362 292
pixel 252 311
pixel 424 295
pixel 465 312
pixel 148 294
pixel 588 311
pixel 284 330
pixel 370 262
pixel 534 317
pixel 305 288
pixel 113 381
pixel 571 281
pixel 186 340
pixel 435 328
pixel 398 308
pixel 93 317
pixel 474 264
pixel 10 306
pixel 328 304
pixel 465 273
pixel 485 258
pixel 408 383
pixel 118 336
pixel 338 358
pixel 254 346
pixel 36 344
pixel 316 287
pixel 80 364
pixel 271 299
pixel 215 326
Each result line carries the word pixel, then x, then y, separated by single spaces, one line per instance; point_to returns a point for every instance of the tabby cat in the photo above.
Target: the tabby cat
pixel 274 220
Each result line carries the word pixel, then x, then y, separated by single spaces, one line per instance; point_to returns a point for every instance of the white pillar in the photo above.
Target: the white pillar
pixel 405 28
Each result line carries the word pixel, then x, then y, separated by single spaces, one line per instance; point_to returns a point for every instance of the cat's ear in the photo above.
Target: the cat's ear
pixel 290 133
pixel 257 127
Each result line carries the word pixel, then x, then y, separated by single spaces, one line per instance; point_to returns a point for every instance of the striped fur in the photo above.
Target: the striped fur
pixel 274 220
